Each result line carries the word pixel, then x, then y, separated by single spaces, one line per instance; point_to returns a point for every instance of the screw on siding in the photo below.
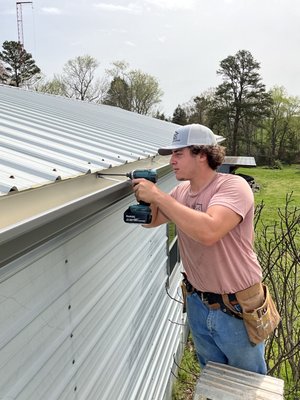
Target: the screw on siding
pixel 69 307
pixel 75 388
pixel 73 362
pixel 71 335
pixel 66 261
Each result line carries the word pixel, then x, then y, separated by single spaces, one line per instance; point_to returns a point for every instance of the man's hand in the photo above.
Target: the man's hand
pixel 148 192
pixel 144 190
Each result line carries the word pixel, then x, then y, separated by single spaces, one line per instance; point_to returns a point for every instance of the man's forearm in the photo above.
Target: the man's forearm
pixel 158 218
pixel 204 227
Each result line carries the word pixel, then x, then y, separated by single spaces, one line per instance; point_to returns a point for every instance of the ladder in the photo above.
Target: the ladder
pixel 223 382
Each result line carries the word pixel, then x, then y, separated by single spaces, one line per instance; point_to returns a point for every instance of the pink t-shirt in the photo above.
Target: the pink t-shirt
pixel 230 264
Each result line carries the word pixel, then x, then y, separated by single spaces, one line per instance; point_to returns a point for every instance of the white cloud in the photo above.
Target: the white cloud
pixel 173 4
pixel 131 8
pixel 128 43
pixel 162 39
pixel 51 10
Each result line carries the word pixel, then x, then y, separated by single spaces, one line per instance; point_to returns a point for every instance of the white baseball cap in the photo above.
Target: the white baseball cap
pixel 189 135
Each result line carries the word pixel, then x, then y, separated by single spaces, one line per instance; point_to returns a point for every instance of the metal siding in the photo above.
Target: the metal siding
pixel 240 161
pixel 44 138
pixel 86 316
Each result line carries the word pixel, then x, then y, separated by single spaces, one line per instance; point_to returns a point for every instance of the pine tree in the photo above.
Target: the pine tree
pixel 19 64
pixel 179 116
pixel 241 98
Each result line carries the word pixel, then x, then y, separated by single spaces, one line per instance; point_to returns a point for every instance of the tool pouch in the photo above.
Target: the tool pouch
pixel 259 312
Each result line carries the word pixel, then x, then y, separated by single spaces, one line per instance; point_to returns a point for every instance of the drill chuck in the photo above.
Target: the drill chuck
pixel 149 174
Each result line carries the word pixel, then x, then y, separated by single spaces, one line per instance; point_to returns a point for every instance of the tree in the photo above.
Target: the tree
pixel 54 86
pixel 283 126
pixel 78 79
pixel 241 101
pixel 19 65
pixel 179 116
pixel 145 92
pixel 4 73
pixel 200 107
pixel 118 94
pixel 132 90
pixel 160 115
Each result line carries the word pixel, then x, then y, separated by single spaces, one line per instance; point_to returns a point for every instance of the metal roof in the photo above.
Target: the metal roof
pixel 45 138
pixel 240 161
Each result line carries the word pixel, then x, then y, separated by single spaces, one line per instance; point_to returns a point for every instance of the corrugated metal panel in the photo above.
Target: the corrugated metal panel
pixel 86 315
pixel 240 161
pixel 221 381
pixel 44 138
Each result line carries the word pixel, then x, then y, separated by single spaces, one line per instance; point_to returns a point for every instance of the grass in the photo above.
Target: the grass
pixel 274 185
pixel 187 374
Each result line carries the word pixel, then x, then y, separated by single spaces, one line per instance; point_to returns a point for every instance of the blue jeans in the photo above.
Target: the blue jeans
pixel 222 338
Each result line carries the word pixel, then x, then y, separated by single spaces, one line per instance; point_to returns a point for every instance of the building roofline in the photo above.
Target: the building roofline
pixel 33 216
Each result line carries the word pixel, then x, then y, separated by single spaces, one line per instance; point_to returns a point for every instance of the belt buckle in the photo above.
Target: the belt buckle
pixel 203 299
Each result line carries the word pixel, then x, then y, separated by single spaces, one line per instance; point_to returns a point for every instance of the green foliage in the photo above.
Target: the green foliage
pixel 277 164
pixel 281 129
pixel 200 110
pixel 253 121
pixel 55 86
pixel 179 116
pixel 19 65
pixel 118 94
pixel 132 90
pixel 78 78
pixel 145 90
pixel 159 115
pixel 188 373
pixel 241 100
pixel 4 73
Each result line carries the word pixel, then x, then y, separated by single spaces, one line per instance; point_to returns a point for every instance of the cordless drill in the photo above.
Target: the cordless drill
pixel 138 213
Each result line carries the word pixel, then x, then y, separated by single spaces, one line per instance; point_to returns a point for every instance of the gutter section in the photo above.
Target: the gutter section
pixel 25 234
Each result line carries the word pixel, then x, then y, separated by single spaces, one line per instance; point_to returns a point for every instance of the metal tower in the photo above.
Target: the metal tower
pixel 20 20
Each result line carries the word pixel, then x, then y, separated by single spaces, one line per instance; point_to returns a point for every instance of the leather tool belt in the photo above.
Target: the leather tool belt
pixel 254 305
pixel 214 301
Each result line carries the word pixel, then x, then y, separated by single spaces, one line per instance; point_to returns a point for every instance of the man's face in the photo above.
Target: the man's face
pixel 184 164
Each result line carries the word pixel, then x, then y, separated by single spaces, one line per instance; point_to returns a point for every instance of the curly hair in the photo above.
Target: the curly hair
pixel 215 154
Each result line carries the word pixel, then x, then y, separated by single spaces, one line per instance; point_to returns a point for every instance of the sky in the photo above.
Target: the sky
pixel 179 42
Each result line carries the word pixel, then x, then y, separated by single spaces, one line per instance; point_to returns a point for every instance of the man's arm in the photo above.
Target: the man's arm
pixel 204 227
pixel 158 218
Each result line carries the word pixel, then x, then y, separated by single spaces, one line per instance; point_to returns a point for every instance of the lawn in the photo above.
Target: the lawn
pixel 274 185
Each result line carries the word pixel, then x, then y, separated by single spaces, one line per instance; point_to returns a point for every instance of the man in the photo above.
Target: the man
pixel 213 213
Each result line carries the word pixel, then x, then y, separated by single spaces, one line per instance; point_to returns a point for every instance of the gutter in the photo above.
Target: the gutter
pixel 25 234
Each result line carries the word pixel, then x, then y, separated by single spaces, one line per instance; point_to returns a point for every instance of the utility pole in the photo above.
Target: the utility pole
pixel 20 20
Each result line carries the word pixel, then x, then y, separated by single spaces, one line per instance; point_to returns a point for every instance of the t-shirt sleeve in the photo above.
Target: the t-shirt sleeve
pixel 234 193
